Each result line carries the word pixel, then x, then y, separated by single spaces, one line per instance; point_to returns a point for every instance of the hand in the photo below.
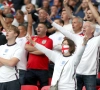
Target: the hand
pixel 29 38
pixel 32 42
pixel 65 2
pixel 85 40
pixel 49 18
pixel 88 0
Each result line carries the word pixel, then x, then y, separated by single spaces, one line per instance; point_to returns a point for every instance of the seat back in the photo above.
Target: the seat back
pixel 45 88
pixel 29 87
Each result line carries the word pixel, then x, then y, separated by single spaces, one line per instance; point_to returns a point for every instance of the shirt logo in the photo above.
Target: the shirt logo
pixel 43 41
pixel 6 50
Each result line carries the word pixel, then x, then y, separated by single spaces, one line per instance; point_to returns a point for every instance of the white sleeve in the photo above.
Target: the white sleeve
pixel 76 38
pixel 78 54
pixel 49 53
pixel 18 53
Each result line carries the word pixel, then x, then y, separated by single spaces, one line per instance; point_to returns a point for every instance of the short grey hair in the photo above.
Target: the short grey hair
pixel 79 19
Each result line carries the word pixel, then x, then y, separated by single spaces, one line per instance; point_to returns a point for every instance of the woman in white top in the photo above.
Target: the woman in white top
pixel 67 79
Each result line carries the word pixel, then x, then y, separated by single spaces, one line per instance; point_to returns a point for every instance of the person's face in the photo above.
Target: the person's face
pixel 64 16
pixel 71 2
pixel 19 16
pixel 22 31
pixel 8 20
pixel 65 43
pixel 84 4
pixel 56 2
pixel 54 9
pixel 26 1
pixel 65 48
pixel 41 29
pixel 10 34
pixel 45 4
pixel 90 16
pixel 76 24
pixel 42 14
pixel 87 30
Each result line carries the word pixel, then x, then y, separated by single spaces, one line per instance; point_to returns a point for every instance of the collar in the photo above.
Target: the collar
pixel 11 44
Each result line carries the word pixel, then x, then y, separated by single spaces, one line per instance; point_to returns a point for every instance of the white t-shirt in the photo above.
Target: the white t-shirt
pixel 57 38
pixel 7 73
pixel 69 28
pixel 23 62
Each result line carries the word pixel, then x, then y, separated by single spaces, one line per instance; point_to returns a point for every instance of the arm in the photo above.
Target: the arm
pixel 79 52
pixel 30 20
pixel 94 11
pixel 33 50
pixel 76 38
pixel 65 2
pixel 11 62
pixel 3 22
pixel 49 53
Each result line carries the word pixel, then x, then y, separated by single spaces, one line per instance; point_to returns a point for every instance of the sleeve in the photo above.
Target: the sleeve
pixel 18 53
pixel 49 53
pixel 78 54
pixel 76 38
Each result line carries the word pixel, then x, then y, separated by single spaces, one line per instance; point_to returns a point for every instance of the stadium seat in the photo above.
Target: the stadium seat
pixel 97 87
pixel 29 87
pixel 84 88
pixel 45 88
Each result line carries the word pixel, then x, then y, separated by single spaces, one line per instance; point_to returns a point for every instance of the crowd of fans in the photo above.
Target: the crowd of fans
pixel 48 22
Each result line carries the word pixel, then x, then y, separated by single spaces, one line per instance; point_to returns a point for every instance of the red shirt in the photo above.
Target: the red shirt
pixel 40 61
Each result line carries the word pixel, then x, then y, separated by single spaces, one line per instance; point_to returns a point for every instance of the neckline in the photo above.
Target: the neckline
pixel 11 44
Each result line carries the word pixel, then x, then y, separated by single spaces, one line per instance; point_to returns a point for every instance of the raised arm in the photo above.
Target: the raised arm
pixel 79 52
pixel 76 38
pixel 94 11
pixel 65 3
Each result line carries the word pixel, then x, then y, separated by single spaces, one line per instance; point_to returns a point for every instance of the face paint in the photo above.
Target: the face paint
pixel 65 49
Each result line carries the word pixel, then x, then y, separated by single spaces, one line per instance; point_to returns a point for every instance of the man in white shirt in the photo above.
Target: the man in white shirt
pixel 21 41
pixel 10 55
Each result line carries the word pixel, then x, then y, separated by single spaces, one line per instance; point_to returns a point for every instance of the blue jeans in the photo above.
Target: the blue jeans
pixel 22 76
pixel 89 81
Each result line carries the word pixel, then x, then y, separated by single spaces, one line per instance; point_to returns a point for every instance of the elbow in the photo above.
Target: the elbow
pixel 12 64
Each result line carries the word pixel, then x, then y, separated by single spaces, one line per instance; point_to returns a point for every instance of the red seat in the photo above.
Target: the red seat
pixel 83 88
pixel 97 87
pixel 45 88
pixel 98 74
pixel 29 87
pixel 49 81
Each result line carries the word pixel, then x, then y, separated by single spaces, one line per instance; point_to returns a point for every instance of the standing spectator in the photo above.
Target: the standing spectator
pixel 37 67
pixel 10 55
pixel 22 64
